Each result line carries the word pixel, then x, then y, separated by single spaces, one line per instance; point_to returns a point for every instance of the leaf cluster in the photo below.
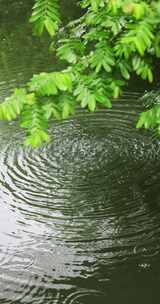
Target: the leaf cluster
pixel 46 97
pixel 150 118
pixel 113 40
pixel 120 38
pixel 45 16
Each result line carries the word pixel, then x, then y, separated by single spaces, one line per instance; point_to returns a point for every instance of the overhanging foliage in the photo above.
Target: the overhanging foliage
pixel 113 40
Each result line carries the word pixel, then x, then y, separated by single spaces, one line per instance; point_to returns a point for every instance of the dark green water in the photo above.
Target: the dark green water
pixel 79 219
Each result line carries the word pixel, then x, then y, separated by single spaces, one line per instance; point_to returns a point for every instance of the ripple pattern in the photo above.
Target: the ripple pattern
pixel 78 208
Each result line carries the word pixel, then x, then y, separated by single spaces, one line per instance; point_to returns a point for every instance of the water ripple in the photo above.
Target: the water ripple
pixel 89 201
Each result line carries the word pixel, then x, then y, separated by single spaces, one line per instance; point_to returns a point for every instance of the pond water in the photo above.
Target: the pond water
pixel 80 218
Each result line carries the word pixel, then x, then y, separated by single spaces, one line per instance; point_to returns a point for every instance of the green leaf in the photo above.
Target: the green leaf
pixel 13 105
pixel 150 75
pixel 66 110
pixel 103 99
pixel 47 84
pixel 37 139
pixel 45 15
pixel 50 26
pixel 124 71
pixel 63 81
pixel 95 4
pixel 92 103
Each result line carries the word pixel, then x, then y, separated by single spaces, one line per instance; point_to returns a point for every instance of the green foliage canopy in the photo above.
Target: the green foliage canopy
pixel 111 41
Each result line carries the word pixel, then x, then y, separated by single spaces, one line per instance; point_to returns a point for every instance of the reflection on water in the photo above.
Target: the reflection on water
pixel 80 218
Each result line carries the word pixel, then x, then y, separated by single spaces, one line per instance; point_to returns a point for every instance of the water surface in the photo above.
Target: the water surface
pixel 80 218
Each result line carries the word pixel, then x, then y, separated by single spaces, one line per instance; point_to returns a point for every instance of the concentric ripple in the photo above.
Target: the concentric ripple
pixel 78 209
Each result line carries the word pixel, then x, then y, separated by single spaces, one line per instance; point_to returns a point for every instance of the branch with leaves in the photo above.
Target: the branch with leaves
pixel 45 16
pixel 37 104
pixel 113 40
